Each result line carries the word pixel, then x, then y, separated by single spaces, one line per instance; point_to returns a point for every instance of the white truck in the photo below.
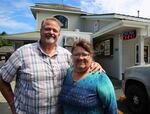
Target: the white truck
pixel 136 87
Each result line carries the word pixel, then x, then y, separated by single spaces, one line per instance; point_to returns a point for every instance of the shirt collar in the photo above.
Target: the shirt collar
pixel 40 48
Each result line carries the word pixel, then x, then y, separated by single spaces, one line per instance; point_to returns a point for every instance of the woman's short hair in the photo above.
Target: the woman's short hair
pixel 83 44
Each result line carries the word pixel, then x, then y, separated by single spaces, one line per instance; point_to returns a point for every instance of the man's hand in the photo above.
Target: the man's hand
pixel 96 67
pixel 13 109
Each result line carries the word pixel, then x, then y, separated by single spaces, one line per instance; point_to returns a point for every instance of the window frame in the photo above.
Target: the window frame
pixel 63 20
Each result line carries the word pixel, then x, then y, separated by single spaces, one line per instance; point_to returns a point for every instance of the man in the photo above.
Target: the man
pixel 40 70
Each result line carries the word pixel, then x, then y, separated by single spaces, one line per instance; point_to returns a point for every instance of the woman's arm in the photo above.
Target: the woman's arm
pixel 107 94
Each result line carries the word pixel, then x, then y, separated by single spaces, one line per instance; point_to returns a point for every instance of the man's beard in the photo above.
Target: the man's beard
pixel 49 40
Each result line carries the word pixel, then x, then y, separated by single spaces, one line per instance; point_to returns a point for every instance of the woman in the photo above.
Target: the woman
pixel 84 92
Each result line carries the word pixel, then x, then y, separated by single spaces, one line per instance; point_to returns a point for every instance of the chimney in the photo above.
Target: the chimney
pixel 138 13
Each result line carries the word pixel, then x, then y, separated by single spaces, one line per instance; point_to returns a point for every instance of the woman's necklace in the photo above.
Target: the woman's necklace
pixel 74 82
pixel 78 76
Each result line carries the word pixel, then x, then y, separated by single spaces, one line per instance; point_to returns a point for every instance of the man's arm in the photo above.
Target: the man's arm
pixel 8 94
pixel 96 67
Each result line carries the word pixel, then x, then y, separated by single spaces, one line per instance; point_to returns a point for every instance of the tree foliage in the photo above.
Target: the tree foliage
pixel 4 42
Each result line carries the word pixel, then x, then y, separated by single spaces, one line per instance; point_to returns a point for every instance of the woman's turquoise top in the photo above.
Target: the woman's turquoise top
pixel 93 94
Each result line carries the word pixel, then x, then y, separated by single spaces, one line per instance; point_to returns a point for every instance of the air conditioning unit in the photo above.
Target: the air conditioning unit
pixel 69 40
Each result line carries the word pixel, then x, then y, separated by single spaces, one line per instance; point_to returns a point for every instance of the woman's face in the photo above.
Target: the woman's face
pixel 81 59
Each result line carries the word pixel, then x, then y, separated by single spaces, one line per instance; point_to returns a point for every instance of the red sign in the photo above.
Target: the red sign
pixel 129 35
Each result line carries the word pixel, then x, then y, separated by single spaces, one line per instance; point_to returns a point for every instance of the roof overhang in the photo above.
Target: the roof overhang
pixel 120 26
pixel 114 16
pixel 34 36
pixel 56 8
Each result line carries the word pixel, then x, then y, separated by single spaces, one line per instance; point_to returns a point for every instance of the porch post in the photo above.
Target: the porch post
pixel 141 50
pixel 120 58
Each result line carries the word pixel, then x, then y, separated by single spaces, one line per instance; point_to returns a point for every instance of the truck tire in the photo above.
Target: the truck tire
pixel 137 101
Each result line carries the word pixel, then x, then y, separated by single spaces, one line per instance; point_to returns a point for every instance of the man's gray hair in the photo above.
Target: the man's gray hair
pixel 51 18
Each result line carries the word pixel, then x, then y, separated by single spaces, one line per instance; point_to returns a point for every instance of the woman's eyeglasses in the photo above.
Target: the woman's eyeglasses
pixel 81 55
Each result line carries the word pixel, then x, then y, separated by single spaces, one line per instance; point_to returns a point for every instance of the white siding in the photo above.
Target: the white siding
pixel 128 53
pixel 111 64
pixel 73 19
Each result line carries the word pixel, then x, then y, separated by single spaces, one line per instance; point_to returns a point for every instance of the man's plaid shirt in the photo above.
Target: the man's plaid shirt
pixel 39 78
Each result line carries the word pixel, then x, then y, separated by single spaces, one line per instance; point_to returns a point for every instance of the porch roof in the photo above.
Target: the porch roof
pixel 23 36
pixel 33 36
pixel 121 25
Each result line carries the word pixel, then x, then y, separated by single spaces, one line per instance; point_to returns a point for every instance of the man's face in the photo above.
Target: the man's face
pixel 50 32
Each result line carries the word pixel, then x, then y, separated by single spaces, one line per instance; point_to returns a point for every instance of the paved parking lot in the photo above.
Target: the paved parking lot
pixel 122 109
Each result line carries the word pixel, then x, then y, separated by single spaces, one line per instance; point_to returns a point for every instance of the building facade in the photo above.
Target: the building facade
pixel 119 41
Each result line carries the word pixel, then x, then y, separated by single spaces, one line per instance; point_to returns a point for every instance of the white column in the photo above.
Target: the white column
pixel 120 58
pixel 141 50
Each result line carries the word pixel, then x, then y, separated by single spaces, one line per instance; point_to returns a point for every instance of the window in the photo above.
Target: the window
pixel 104 47
pixel 63 20
pixel 136 54
pixel 146 54
pixel 96 26
pixel 146 49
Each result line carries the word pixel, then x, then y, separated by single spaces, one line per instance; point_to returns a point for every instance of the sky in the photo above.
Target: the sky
pixel 16 16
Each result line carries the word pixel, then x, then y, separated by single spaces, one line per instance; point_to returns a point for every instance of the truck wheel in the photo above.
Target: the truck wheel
pixel 136 99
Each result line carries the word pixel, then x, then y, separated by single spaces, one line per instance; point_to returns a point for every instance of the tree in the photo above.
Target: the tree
pixel 4 42
pixel 3 33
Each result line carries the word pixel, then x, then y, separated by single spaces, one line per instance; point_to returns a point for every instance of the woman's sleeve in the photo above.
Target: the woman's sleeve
pixel 106 94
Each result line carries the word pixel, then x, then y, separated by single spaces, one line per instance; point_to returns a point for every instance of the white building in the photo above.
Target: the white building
pixel 120 41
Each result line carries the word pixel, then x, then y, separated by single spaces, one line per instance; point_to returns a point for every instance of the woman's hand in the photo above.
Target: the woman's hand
pixel 96 67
